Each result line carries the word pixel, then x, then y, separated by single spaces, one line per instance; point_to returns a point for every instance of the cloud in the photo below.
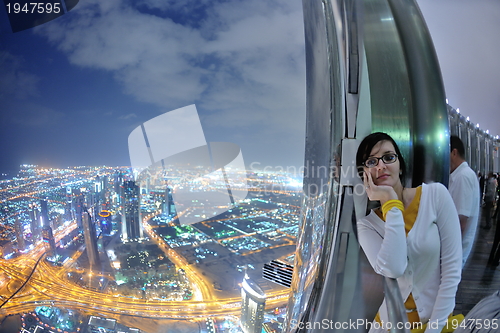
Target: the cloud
pixel 189 11
pixel 245 57
pixel 146 53
pixel 241 62
pixel 128 116
pixel 260 56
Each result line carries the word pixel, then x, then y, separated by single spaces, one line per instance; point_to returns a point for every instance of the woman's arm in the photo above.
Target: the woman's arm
pixel 387 254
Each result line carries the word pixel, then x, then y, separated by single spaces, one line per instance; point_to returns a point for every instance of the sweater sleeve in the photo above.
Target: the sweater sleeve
pixel 386 253
pixel 451 258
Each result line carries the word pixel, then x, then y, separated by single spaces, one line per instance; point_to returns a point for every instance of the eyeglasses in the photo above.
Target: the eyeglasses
pixel 373 161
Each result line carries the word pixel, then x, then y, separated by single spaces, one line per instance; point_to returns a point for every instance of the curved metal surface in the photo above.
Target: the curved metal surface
pixel 341 299
pixel 327 254
pixel 324 84
pixel 429 121
pixel 391 99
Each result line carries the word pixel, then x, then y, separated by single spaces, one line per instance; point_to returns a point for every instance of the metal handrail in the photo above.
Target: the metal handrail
pixel 395 307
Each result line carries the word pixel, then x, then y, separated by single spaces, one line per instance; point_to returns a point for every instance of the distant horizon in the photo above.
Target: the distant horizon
pixel 290 169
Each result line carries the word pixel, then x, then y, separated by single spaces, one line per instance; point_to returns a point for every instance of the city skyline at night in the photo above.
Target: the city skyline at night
pixel 156 276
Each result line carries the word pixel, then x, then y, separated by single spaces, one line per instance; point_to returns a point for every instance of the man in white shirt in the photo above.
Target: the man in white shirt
pixel 464 189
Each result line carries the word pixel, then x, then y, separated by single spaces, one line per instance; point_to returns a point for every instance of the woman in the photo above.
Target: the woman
pixel 413 237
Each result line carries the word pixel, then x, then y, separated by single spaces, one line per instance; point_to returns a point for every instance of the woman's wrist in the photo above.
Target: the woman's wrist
pixel 390 204
pixel 389 196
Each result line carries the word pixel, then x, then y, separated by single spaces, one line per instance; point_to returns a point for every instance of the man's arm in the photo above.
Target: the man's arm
pixel 463 222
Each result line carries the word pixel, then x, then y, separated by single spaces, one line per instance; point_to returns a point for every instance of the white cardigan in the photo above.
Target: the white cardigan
pixel 427 262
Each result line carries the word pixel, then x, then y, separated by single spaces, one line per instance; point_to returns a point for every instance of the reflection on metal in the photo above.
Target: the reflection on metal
pixel 388 75
pixel 429 121
pixel 333 70
pixel 407 92
pixel 395 307
pixel 402 94
pixel 341 298
pixel 325 86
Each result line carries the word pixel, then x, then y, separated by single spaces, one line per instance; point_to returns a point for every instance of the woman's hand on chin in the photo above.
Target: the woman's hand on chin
pixel 382 193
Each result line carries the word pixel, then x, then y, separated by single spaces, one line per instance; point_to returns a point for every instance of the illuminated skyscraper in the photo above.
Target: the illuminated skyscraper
pixel 97 185
pixel 79 202
pixel 169 207
pixel 44 213
pixel 90 236
pixel 18 227
pixel 93 198
pixel 104 188
pixel 48 238
pixel 68 216
pixel 253 301
pixel 131 211
pixel 118 182
pixel 35 222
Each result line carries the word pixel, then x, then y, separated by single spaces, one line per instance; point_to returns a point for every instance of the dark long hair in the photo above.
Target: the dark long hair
pixel 366 146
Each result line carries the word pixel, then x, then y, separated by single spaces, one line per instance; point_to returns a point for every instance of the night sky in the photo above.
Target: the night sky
pixel 73 89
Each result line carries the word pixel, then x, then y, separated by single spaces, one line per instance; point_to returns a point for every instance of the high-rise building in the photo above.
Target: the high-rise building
pixel 48 238
pixel 253 301
pixel 97 185
pixel 92 198
pixel 90 236
pixel 104 188
pixel 118 182
pixel 35 222
pixel 44 213
pixel 131 211
pixel 18 227
pixel 79 203
pixel 68 216
pixel 169 207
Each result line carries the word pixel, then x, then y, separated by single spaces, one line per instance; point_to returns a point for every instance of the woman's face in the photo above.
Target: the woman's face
pixel 382 173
